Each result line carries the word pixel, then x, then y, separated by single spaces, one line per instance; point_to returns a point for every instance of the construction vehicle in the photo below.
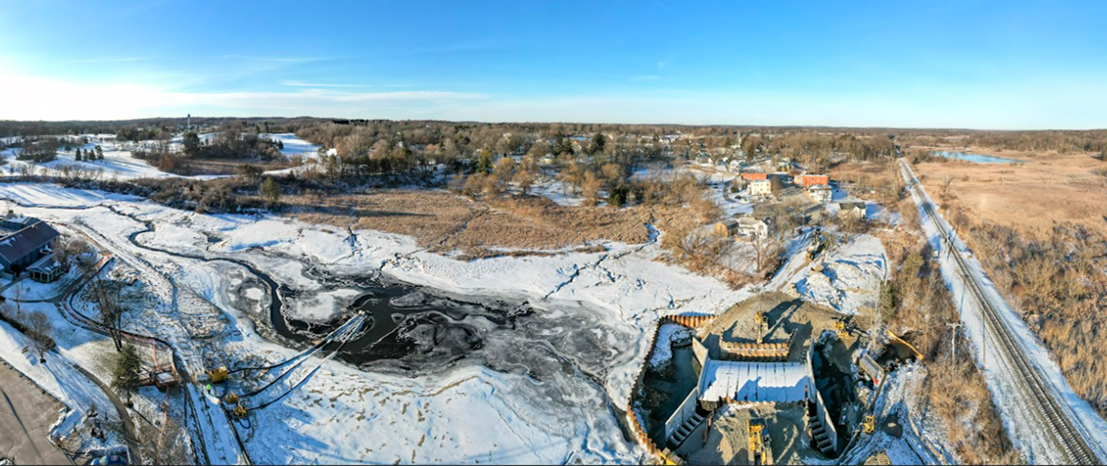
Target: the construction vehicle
pixel 869 424
pixel 762 321
pixel 816 246
pixel 840 328
pixel 231 398
pixel 759 451
pixel 218 375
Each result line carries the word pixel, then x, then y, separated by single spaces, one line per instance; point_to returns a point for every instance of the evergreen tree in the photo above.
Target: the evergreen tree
pixel 598 142
pixel 484 160
pixel 99 153
pixel 191 144
pixel 125 378
pixel 270 191
pixel 77 155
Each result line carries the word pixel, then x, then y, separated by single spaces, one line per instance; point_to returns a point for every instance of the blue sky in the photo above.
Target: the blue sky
pixel 1003 65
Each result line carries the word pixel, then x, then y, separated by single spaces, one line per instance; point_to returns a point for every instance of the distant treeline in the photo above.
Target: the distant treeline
pixel 144 129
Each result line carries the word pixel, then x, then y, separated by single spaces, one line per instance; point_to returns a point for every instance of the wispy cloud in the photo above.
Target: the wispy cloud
pixel 658 76
pixel 35 97
pixel 307 84
pixel 275 59
pixel 106 60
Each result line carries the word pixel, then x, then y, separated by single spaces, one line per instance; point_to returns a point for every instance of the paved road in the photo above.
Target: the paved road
pixel 26 414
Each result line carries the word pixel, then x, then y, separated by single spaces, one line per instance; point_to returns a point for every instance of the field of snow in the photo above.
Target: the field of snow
pixel 850 279
pixel 118 163
pixel 466 413
pixel 294 145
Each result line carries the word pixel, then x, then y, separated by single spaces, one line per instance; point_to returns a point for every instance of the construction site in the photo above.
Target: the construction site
pixel 773 380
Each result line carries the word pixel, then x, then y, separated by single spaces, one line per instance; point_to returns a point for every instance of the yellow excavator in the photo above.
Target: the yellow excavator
pixel 869 424
pixel 759 452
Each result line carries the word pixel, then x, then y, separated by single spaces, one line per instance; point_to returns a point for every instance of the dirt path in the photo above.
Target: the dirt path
pixel 26 414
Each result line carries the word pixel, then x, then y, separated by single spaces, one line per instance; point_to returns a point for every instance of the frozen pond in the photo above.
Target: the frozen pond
pixel 976 158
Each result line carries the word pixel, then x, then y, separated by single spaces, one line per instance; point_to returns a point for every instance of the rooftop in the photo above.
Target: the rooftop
pixel 25 241
pixel 754 381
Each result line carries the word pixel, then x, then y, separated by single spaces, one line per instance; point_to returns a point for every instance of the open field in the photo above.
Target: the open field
pixel 193 167
pixel 1031 196
pixel 444 222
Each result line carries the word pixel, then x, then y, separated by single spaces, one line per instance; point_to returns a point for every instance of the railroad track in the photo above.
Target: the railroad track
pixel 1050 412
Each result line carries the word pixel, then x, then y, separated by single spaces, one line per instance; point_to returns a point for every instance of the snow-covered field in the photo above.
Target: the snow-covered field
pixel 294 145
pixel 118 163
pixel 464 413
pixel 850 277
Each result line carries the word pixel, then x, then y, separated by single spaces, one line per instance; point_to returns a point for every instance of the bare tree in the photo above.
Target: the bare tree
pixel 67 249
pixel 39 331
pixel 106 294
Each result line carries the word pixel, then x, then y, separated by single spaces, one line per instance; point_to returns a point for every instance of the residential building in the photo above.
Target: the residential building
pixel 761 187
pixel 726 228
pixel 766 187
pixel 852 209
pixel 13 223
pixel 734 166
pixel 806 180
pixel 821 193
pixel 754 176
pixel 46 269
pixel 749 226
pixel 26 246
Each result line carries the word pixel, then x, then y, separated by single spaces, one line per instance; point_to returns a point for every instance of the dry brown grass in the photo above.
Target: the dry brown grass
pixel 956 393
pixel 1030 196
pixel 876 180
pixel 1019 220
pixel 445 222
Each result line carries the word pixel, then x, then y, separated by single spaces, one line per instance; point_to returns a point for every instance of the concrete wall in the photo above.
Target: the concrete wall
pixel 820 406
pixel 686 410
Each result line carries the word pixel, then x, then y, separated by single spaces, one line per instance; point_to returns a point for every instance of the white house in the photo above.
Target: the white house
pixel 821 193
pixel 749 226
pixel 761 188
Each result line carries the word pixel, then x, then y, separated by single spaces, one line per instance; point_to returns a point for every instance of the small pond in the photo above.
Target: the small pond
pixel 975 158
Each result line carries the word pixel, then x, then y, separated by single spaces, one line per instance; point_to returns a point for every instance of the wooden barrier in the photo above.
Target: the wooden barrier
pixel 637 426
pixel 748 351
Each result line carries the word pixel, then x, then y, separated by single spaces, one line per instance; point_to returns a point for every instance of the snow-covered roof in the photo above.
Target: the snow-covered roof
pixel 754 381
pixel 45 265
pixel 26 241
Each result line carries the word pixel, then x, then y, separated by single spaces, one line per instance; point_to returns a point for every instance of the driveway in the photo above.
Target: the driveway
pixel 26 414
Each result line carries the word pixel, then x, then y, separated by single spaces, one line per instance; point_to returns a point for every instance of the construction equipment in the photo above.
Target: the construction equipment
pixel 762 321
pixel 817 245
pixel 231 398
pixel 239 411
pixel 218 375
pixel 840 327
pixel 759 452
pixel 869 424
